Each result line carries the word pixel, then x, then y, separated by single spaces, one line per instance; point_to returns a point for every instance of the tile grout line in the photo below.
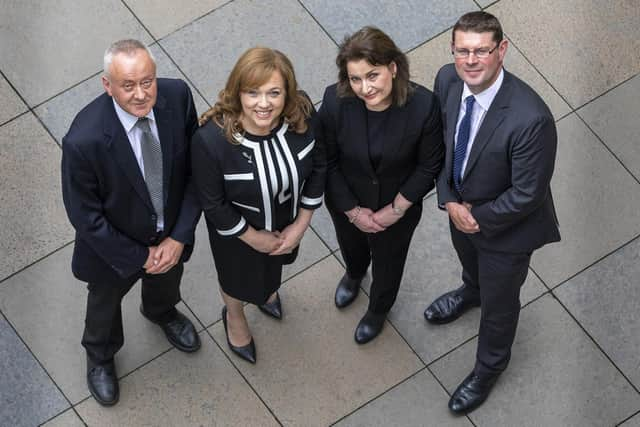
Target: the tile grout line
pixel 628 418
pixel 55 384
pixel 318 22
pixel 593 340
pixel 64 245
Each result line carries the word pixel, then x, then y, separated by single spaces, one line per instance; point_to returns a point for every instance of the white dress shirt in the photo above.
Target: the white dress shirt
pixel 134 134
pixel 481 105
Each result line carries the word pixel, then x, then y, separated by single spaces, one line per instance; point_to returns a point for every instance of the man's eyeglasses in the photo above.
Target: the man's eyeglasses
pixel 482 52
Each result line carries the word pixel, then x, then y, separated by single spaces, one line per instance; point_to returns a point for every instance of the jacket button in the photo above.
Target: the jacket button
pixel 374 182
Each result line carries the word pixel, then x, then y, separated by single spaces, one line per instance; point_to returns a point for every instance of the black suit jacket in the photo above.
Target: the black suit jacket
pixel 508 173
pixel 104 192
pixel 411 158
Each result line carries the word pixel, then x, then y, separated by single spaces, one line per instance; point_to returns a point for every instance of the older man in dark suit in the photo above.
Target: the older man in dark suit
pixel 500 151
pixel 127 192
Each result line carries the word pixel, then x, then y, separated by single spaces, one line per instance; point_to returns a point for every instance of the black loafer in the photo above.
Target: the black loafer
pixel 472 392
pixel 273 308
pixel 347 291
pixel 246 352
pixel 369 327
pixel 448 307
pixel 103 383
pixel 179 331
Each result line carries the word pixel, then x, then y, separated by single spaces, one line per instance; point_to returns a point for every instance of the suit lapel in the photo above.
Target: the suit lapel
pixel 165 132
pixel 452 111
pixel 118 144
pixel 496 114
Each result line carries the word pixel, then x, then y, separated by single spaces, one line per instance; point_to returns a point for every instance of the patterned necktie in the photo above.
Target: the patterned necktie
pixel 152 159
pixel 463 140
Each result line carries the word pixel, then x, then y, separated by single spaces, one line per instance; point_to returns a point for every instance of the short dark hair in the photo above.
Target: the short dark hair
pixel 478 22
pixel 377 48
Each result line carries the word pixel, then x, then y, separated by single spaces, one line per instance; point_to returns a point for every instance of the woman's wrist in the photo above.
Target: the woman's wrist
pixel 353 214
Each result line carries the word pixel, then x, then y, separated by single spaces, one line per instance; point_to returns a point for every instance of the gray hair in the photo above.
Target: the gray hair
pixel 126 46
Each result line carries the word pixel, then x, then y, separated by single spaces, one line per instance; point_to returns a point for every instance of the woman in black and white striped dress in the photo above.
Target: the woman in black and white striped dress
pixel 259 176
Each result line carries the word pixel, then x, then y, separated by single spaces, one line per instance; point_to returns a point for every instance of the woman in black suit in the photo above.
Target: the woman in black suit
pixel 383 137
pixel 259 177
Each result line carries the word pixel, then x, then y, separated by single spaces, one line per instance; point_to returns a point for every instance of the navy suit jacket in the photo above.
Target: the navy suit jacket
pixel 508 173
pixel 104 192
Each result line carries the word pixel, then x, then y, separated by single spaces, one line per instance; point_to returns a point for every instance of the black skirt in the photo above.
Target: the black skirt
pixel 243 272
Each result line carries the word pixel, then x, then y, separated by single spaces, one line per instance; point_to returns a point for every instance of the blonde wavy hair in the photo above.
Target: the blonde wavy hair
pixel 253 69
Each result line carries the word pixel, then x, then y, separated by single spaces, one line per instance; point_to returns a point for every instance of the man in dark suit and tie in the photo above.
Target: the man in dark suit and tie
pixel 127 192
pixel 495 185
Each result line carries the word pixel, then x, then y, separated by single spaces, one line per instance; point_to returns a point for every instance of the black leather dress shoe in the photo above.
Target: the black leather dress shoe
pixel 179 331
pixel 347 291
pixel 448 307
pixel 369 327
pixel 246 352
pixel 472 392
pixel 273 308
pixel 103 383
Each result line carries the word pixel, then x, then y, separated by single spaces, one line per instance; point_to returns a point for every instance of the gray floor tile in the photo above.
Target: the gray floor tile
pixel 207 49
pixel 419 401
pixel 485 3
pixel 11 104
pixel 426 60
pixel 614 117
pixel 177 389
pixel 408 23
pixel 47 307
pixel 432 269
pixel 309 369
pixel 605 300
pixel 596 200
pixel 60 43
pixel 557 376
pixel 165 16
pixel 67 419
pixel 322 224
pixel 633 422
pixel 27 394
pixel 552 35
pixel 58 113
pixel 200 289
pixel 32 215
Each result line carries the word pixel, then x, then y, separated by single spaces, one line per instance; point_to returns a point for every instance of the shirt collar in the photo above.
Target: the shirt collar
pixel 128 120
pixel 485 98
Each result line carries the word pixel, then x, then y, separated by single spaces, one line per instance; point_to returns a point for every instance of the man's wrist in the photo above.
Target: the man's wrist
pixel 396 209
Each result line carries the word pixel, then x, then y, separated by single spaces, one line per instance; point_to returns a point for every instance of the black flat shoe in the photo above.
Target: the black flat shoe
pixel 103 383
pixel 472 392
pixel 369 327
pixel 179 331
pixel 448 307
pixel 273 308
pixel 246 352
pixel 347 291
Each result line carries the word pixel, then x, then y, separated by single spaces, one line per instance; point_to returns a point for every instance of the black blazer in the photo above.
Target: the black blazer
pixel 508 173
pixel 411 158
pixel 104 192
pixel 232 183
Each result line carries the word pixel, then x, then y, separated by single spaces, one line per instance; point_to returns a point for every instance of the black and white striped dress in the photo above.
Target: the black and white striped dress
pixel 261 182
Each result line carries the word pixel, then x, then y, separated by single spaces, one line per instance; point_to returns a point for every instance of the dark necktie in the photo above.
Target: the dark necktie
pixel 152 159
pixel 463 141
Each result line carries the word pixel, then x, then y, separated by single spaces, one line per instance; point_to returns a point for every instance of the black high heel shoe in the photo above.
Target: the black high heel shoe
pixel 273 308
pixel 246 352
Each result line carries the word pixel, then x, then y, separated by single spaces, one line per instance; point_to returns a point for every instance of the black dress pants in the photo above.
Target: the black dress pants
pixel 386 251
pixel 103 335
pixel 495 278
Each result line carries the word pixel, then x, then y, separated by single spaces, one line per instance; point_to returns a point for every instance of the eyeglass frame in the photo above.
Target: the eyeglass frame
pixel 469 52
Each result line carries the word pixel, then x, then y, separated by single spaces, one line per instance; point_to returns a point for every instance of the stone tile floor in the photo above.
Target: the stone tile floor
pixel 576 360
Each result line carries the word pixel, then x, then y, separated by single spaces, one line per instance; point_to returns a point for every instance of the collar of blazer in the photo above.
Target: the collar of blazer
pixel 356 117
pixel 118 144
pixel 495 115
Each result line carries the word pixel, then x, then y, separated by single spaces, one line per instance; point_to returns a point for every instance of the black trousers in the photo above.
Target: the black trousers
pixel 103 335
pixel 495 278
pixel 386 251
